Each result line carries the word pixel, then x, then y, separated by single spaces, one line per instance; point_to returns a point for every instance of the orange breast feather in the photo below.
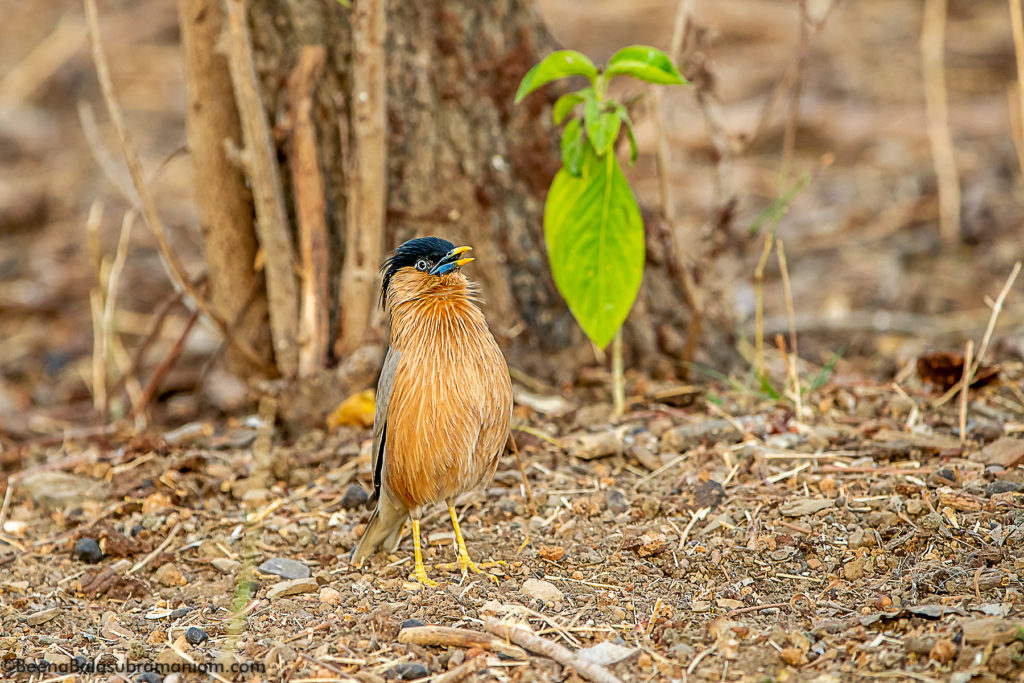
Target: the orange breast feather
pixel 451 402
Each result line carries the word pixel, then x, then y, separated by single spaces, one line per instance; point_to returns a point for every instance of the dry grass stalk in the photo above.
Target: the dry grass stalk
pixel 310 211
pixel 45 59
pixel 99 353
pixel 157 378
pixel 965 386
pixel 524 638
pixel 933 42
pixel 103 156
pixel 175 269
pixel 997 307
pixel 366 175
pixel 1017 23
pixel 789 135
pixel 260 160
pixel 110 296
pixel 794 359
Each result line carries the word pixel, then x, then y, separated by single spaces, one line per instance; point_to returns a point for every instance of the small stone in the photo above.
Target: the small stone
pixel 942 651
pixel 916 506
pixel 41 617
pixel 148 677
pixel 1007 452
pixel 607 653
pixel 293 587
pixel 798 507
pixel 990 630
pixel 1003 486
pixel 285 568
pixel 882 519
pixel 355 497
pixel 195 635
pixel 541 590
pixel 615 501
pixel 169 575
pixel 409 671
pixel 411 623
pixel 330 596
pixel 854 570
pixel 793 656
pixel 552 553
pixel 226 565
pixel 88 550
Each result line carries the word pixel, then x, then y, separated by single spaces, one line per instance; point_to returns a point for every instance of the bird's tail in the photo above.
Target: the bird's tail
pixel 383 530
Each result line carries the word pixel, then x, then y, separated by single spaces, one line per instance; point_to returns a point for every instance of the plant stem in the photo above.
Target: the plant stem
pixel 618 381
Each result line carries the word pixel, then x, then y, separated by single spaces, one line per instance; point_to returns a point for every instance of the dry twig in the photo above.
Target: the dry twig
pixel 562 655
pixel 165 366
pixel 444 636
pixel 175 269
pixel 366 174
pixel 965 385
pixel 310 211
pixel 260 160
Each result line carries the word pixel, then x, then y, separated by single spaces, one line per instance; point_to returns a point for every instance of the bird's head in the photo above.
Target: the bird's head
pixel 422 264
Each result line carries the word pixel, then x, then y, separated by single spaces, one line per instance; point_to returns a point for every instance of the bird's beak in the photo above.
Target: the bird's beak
pixel 451 261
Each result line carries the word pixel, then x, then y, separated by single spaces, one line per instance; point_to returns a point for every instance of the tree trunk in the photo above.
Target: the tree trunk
pixel 462 162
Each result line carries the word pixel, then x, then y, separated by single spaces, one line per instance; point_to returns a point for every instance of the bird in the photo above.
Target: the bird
pixel 444 399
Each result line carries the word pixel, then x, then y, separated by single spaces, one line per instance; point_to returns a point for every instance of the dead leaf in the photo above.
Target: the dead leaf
pixel 945 369
pixel 356 411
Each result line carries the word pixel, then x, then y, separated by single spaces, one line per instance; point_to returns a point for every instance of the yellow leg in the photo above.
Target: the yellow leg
pixel 419 573
pixel 464 563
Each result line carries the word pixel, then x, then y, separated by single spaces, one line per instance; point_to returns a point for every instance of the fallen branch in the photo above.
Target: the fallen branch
pixel 260 162
pixel 445 636
pixel 310 211
pixel 564 656
pixel 179 277
pixel 366 175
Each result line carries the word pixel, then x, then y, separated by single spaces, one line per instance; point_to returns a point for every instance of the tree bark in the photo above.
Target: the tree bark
pixel 462 162
pixel 223 202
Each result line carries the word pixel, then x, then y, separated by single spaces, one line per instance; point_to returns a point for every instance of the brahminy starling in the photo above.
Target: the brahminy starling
pixel 444 399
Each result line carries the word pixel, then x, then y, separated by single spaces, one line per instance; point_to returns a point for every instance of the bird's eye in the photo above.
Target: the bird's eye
pixel 421 264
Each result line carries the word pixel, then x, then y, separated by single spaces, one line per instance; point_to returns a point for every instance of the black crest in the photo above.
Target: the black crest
pixel 433 249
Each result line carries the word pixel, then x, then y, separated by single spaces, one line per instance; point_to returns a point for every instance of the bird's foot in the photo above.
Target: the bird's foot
pixel 465 565
pixel 420 576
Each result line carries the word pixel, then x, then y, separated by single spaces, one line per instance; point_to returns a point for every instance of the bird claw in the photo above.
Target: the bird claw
pixel 465 564
pixel 421 577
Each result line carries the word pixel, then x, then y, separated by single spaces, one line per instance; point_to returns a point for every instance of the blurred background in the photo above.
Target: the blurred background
pixel 868 261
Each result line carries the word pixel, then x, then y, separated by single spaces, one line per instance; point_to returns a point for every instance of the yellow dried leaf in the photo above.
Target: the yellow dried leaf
pixel 357 410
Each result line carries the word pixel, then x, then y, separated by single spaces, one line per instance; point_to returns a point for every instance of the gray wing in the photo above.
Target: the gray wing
pixel 380 418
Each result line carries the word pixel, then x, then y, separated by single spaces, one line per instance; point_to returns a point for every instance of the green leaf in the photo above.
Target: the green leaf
pixel 646 63
pixel 595 240
pixel 573 143
pixel 602 127
pixel 624 115
pixel 556 65
pixel 566 103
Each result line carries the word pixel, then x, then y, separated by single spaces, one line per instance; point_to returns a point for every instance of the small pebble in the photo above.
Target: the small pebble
pixel 293 587
pixel 285 568
pixel 226 565
pixel 409 671
pixel 195 635
pixel 330 596
pixel 180 612
pixel 615 501
pixel 88 550
pixel 1002 486
pixel 412 623
pixel 148 677
pixel 355 497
